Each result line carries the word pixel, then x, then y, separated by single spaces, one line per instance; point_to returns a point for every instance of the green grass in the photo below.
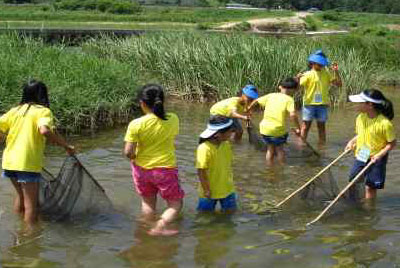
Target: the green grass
pixel 149 14
pixel 85 90
pixel 94 84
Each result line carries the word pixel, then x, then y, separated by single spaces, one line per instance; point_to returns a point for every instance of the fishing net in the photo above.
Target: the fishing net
pixel 324 188
pixel 73 193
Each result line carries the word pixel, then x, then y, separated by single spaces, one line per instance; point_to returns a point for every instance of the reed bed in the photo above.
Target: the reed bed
pixel 93 85
pixel 85 91
pixel 201 66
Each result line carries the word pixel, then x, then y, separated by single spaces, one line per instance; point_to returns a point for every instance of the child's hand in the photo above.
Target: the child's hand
pixel 335 67
pixel 350 146
pixel 70 150
pixel 207 193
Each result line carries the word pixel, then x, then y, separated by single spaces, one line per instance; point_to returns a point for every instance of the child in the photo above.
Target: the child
pixel 316 83
pixel 235 107
pixel 27 126
pixel 278 106
pixel 149 144
pixel 375 138
pixel 214 166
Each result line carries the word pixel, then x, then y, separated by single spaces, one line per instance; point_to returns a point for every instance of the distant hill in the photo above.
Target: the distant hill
pixel 379 6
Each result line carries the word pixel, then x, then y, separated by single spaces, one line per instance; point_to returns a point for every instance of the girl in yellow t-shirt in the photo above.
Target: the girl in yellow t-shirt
pixel 149 144
pixel 375 138
pixel 235 108
pixel 214 166
pixel 27 126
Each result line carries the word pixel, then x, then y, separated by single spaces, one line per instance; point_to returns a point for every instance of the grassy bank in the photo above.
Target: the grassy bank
pixel 85 90
pixel 148 14
pixel 94 84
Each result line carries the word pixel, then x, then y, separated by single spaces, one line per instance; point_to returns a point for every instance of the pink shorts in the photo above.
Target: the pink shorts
pixel 148 182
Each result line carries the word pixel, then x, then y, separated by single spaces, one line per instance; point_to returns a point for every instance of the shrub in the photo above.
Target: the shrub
pixel 332 16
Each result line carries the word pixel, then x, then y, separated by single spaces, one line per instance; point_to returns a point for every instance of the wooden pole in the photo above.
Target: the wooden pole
pixel 341 193
pixel 313 178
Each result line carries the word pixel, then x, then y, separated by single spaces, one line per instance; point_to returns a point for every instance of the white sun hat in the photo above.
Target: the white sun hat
pixel 362 97
pixel 213 128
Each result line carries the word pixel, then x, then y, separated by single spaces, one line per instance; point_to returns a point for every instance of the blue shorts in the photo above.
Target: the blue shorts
pixel 374 176
pixel 22 176
pixel 317 112
pixel 209 204
pixel 271 140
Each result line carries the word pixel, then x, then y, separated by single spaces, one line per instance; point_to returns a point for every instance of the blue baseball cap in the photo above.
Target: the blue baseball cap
pixel 316 58
pixel 250 91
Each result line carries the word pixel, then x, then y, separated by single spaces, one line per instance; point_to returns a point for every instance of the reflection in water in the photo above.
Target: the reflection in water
pixel 149 251
pixel 256 236
pixel 213 239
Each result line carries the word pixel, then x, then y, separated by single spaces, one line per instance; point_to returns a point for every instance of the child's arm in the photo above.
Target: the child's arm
pixel 252 104
pixel 337 81
pixel 57 139
pixel 295 120
pixel 351 144
pixel 389 146
pixel 130 150
pixel 235 114
pixel 202 173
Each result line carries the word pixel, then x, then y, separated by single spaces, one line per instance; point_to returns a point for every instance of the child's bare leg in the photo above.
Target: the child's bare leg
pixel 149 206
pixel 321 132
pixel 370 193
pixel 18 206
pixel 237 136
pixel 30 193
pixel 169 215
pixel 280 154
pixel 270 154
pixel 305 128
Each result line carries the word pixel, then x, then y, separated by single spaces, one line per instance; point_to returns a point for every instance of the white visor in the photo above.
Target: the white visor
pixel 363 98
pixel 212 129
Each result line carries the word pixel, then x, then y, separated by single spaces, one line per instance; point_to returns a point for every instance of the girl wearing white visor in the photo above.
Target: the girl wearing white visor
pixel 375 137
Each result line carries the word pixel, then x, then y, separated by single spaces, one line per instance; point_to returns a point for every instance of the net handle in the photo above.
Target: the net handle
pixel 341 193
pixel 312 179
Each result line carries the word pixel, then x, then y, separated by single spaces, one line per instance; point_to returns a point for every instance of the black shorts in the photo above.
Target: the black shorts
pixel 374 176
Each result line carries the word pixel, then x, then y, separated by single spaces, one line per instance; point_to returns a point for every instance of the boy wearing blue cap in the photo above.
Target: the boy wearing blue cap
pixel 316 83
pixel 235 108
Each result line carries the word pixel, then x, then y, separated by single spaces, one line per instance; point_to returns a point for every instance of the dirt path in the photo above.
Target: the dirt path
pixel 294 23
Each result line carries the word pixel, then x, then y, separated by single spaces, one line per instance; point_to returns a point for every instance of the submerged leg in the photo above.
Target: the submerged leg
pixel 305 128
pixel 169 215
pixel 237 136
pixel 149 206
pixel 370 193
pixel 270 154
pixel 321 133
pixel 30 195
pixel 18 206
pixel 280 154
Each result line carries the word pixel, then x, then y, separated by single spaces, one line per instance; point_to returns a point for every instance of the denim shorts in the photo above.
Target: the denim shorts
pixel 209 204
pixel 317 112
pixel 374 176
pixel 22 176
pixel 275 140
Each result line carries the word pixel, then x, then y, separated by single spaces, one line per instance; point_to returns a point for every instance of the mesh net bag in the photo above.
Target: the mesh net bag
pixel 73 193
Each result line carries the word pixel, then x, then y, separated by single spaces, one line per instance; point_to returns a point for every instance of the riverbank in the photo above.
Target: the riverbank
pixel 93 85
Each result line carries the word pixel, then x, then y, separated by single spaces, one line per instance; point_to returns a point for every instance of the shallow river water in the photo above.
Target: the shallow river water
pixel 256 236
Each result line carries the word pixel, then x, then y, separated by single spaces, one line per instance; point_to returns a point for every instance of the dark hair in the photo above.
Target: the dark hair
pixel 217 120
pixel 289 83
pixel 35 92
pixel 153 96
pixel 385 108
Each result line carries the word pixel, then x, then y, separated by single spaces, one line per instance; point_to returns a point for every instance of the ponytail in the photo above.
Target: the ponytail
pixel 153 96
pixel 385 108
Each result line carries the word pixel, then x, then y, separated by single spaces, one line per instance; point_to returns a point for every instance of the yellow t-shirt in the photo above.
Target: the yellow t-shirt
pixel 316 86
pixel 155 140
pixel 217 160
pixel 226 107
pixel 277 108
pixel 374 133
pixel 25 145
